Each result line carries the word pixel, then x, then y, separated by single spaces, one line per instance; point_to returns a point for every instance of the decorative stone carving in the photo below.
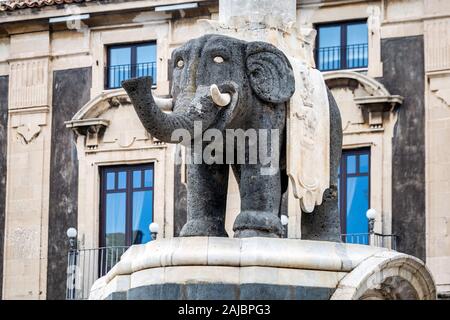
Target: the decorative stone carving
pixel 110 120
pixel 343 271
pixel 308 163
pixel 28 131
pixel 27 122
pixel 437 44
pixel 28 83
pixel 91 128
pixel 364 101
pixel 439 86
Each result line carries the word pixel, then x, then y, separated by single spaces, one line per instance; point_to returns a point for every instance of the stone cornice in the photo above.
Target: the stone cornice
pixel 89 7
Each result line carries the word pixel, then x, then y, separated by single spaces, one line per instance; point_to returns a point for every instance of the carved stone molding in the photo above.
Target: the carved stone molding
pixel 91 128
pixel 29 83
pixel 28 122
pixel 376 106
pixel 439 86
pixel 366 99
pixel 109 122
pixel 437 44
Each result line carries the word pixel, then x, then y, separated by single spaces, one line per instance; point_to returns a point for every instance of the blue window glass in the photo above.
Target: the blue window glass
pixel 357 45
pixel 137 179
pixel 364 163
pixel 148 178
pixel 330 48
pixel 342 46
pixel 142 216
pixel 130 61
pixel 127 206
pixel 354 195
pixel 351 164
pixel 111 182
pixel 115 219
pixel 357 204
pixel 122 180
pixel 146 61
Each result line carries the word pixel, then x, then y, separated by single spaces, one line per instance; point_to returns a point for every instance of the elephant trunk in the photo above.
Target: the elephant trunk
pixel 198 106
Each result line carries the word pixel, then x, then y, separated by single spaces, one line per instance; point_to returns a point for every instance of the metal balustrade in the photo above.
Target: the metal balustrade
pixel 114 75
pixel 342 57
pixel 388 241
pixel 84 266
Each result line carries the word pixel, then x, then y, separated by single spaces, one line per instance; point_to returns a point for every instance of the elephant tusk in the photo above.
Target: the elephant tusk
pixel 221 99
pixel 164 104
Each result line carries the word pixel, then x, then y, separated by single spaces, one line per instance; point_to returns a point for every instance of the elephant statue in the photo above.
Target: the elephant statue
pixel 224 84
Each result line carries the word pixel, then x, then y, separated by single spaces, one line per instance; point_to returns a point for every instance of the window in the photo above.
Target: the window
pixel 130 61
pixel 342 46
pixel 354 195
pixel 126 205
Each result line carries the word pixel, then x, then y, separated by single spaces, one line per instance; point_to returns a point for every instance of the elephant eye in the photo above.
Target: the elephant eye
pixel 218 59
pixel 180 64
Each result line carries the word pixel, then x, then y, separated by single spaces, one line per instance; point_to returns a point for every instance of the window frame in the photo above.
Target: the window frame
pixel 129 190
pixel 343 181
pixel 133 58
pixel 343 43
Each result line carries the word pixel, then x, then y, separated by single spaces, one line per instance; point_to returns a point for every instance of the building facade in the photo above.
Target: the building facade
pixel 74 154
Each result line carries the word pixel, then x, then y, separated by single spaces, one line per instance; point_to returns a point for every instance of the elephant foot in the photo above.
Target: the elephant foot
pixel 203 228
pixel 249 233
pixel 257 224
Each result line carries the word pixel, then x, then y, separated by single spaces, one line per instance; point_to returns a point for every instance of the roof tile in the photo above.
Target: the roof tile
pixel 10 5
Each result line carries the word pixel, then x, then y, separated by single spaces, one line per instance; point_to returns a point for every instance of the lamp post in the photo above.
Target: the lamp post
pixel 154 229
pixel 371 214
pixel 72 262
pixel 72 235
pixel 284 223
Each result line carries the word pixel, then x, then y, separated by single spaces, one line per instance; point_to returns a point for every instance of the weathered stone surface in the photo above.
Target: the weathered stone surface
pixel 324 223
pixel 259 79
pixel 276 13
pixel 179 197
pixel 403 59
pixel 262 268
pixel 4 80
pixel 222 291
pixel 71 91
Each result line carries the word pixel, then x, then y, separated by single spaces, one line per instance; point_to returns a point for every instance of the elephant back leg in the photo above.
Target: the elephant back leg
pixel 206 200
pixel 324 222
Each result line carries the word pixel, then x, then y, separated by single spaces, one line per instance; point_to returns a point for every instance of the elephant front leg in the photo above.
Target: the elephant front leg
pixel 260 203
pixel 206 200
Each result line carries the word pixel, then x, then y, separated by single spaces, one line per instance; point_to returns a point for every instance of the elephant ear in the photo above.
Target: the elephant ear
pixel 270 72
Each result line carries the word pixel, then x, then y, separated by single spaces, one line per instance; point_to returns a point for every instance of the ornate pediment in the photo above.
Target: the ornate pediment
pixel 109 122
pixel 364 102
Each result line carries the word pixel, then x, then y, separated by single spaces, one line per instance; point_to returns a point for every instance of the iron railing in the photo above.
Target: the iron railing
pixel 388 241
pixel 84 266
pixel 342 57
pixel 114 75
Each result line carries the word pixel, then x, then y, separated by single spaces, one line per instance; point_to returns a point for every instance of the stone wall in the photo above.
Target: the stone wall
pixel 71 90
pixel 3 153
pixel 403 74
pixel 179 198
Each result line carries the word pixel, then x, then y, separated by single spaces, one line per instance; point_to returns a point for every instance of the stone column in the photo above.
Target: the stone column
pixel 232 12
pixel 26 222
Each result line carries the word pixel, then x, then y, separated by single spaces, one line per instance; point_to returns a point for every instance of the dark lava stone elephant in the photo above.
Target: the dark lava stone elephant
pixel 224 83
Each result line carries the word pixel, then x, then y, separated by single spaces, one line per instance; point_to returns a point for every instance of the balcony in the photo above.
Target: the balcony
pixel 114 75
pixel 388 241
pixel 353 56
pixel 85 266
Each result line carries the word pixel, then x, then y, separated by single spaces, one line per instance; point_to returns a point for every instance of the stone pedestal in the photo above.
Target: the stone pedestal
pixel 203 268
